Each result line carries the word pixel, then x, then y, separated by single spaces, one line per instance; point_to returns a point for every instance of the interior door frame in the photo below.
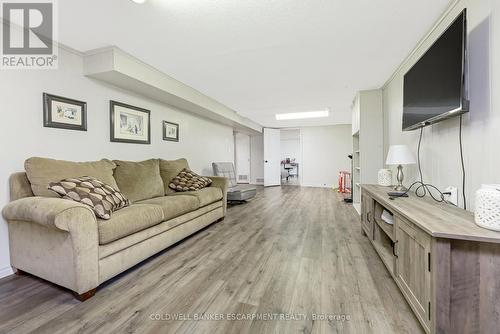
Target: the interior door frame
pixel 300 153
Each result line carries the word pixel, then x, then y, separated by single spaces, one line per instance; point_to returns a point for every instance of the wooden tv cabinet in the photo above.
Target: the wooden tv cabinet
pixel 446 266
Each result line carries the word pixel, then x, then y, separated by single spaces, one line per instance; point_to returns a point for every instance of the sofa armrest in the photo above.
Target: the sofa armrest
pixel 222 183
pixel 55 239
pixel 49 212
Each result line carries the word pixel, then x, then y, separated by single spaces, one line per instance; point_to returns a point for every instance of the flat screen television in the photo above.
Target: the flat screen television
pixel 434 88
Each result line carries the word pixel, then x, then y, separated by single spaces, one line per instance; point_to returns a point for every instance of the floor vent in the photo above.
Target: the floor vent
pixel 259 180
pixel 242 177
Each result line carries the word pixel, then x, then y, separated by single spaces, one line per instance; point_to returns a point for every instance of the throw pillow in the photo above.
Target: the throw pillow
pixel 187 180
pixel 102 198
pixel 169 169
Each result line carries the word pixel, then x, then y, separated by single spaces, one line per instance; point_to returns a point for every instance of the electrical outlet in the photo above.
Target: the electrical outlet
pixel 453 198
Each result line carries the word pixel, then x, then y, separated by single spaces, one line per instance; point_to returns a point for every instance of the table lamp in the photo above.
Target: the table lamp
pixel 400 155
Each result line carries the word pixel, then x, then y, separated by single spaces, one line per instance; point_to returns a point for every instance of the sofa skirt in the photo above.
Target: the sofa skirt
pixel 118 262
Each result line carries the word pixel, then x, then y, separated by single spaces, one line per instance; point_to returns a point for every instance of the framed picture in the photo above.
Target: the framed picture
pixel 129 124
pixel 170 131
pixel 63 113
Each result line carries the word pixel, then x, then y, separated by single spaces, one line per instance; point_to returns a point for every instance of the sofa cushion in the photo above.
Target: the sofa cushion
pixel 170 169
pixel 100 197
pixel 205 196
pixel 42 171
pixel 139 180
pixel 188 180
pixel 174 206
pixel 183 222
pixel 129 220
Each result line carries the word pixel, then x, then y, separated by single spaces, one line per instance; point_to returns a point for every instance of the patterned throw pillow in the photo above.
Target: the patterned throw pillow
pixel 187 180
pixel 102 198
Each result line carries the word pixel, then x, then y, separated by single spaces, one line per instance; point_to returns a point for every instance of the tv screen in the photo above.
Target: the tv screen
pixel 434 88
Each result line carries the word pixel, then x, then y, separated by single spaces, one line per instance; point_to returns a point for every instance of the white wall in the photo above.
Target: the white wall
pixel 257 159
pixel 290 145
pixel 290 148
pixel 242 156
pixel 22 135
pixel 481 132
pixel 324 154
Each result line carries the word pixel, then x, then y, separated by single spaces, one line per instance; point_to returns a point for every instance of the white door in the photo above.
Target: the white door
pixel 272 154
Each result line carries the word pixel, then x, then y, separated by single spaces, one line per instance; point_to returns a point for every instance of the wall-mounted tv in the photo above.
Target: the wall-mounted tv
pixel 434 88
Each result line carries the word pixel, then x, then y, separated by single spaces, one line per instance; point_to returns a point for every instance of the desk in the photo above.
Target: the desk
pixel 292 169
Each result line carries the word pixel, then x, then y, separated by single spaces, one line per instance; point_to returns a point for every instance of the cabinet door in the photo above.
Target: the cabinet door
pixel 413 268
pixel 367 214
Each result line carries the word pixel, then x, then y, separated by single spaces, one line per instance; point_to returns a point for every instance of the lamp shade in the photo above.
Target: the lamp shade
pixel 400 155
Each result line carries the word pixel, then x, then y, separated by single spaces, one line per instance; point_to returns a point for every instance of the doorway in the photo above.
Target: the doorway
pixel 290 156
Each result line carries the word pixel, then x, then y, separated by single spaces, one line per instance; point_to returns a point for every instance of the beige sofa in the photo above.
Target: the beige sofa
pixel 63 242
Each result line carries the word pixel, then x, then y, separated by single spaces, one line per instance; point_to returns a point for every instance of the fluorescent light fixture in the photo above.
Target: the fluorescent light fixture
pixel 302 115
pixel 139 1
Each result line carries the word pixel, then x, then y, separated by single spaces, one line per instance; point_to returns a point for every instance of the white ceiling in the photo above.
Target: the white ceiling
pixel 260 57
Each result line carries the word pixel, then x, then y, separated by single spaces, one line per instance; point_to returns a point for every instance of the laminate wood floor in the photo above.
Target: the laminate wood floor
pixel 291 251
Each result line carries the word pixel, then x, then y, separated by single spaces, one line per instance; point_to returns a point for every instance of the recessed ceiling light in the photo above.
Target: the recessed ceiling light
pixel 139 1
pixel 302 115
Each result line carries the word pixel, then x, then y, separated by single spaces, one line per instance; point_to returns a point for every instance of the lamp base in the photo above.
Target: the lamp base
pixel 400 178
pixel 400 188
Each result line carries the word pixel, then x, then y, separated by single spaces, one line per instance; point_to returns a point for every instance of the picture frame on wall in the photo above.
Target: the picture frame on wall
pixel 170 131
pixel 129 124
pixel 64 113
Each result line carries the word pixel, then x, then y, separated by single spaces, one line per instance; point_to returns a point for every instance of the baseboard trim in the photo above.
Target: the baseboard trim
pixel 7 271
pixel 316 185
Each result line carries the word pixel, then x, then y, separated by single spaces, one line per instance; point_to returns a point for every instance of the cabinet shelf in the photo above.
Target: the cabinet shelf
pixel 367 136
pixel 385 250
pixel 387 228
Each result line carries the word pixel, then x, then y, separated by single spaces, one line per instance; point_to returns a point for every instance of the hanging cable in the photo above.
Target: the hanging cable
pixel 462 161
pixel 422 188
pixel 418 154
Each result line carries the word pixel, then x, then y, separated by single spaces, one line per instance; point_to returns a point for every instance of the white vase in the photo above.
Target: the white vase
pixel 385 177
pixel 487 213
